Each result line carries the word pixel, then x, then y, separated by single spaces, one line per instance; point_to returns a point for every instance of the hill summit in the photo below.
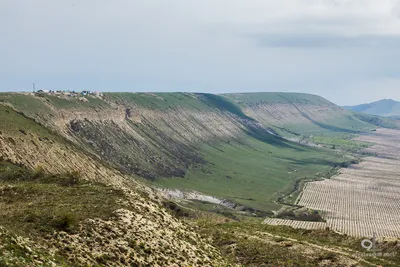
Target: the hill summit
pixel 384 107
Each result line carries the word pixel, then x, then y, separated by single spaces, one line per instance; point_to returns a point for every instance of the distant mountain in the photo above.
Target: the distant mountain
pixel 385 107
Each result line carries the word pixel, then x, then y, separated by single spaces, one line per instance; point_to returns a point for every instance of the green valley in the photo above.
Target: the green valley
pixel 77 171
pixel 245 148
pixel 254 173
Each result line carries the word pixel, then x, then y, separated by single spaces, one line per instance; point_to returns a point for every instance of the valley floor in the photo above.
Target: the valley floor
pixel 363 199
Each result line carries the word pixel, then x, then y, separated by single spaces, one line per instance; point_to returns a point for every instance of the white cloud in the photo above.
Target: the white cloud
pixel 214 46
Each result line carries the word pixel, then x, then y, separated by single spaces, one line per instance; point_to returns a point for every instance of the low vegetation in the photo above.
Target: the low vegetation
pixel 224 146
pixel 343 142
pixel 254 173
pixel 251 243
pixel 35 203
pixel 300 214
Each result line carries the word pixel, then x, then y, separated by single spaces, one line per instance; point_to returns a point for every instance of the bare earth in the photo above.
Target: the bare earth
pixel 365 198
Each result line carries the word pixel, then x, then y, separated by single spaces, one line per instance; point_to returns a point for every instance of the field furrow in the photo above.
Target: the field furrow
pixel 365 198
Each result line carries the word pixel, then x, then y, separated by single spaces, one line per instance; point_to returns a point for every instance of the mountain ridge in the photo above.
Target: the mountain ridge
pixel 384 107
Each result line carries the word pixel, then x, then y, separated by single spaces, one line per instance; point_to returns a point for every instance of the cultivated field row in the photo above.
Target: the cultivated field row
pixel 296 224
pixel 365 198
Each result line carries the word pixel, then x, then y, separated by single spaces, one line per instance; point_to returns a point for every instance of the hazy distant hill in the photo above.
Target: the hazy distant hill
pixel 385 107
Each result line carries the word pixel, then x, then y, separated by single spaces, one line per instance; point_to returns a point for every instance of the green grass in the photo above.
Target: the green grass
pixel 343 141
pixel 34 106
pixel 339 121
pixel 391 123
pixel 254 173
pixel 27 104
pixel 158 101
pixel 74 102
pixel 246 99
pixel 243 242
pixel 17 124
pixel 223 103
pixel 13 253
pixel 35 203
pixel 337 124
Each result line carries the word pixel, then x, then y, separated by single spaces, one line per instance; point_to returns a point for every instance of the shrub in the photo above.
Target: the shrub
pixel 38 172
pixel 65 222
pixel 70 179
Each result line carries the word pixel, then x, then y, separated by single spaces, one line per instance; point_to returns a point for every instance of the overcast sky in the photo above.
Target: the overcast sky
pixel 345 50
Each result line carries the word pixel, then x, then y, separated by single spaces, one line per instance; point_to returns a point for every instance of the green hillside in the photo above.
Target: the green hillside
pixel 254 173
pixel 391 123
pixel 304 114
pixel 226 146
pixel 385 108
pixel 251 99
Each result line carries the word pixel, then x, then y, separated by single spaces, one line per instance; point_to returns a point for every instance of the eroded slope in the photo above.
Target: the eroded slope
pixel 298 113
pixel 138 230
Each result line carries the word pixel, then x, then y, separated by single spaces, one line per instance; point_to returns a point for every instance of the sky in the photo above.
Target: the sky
pixel 347 51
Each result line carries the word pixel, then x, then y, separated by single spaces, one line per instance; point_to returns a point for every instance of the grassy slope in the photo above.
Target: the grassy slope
pixel 157 101
pixel 338 121
pixel 254 244
pixel 245 99
pixel 34 204
pixel 379 121
pixel 37 203
pixel 17 124
pixel 385 107
pixel 256 173
pixel 33 105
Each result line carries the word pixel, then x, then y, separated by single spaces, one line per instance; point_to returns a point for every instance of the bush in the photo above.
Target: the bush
pixel 65 222
pixel 38 172
pixel 70 178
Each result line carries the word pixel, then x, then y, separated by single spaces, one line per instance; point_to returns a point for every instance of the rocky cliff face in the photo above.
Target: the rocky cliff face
pixel 154 143
pixel 140 233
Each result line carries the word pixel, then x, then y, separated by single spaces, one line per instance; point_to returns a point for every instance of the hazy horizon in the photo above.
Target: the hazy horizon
pixel 249 92
pixel 347 51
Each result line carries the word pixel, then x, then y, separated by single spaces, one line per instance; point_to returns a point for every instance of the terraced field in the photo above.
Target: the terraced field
pixel 365 198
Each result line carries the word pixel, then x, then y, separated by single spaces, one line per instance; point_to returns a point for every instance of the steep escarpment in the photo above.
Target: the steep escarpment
pixel 66 205
pixel 146 134
pixel 154 143
pixel 298 113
